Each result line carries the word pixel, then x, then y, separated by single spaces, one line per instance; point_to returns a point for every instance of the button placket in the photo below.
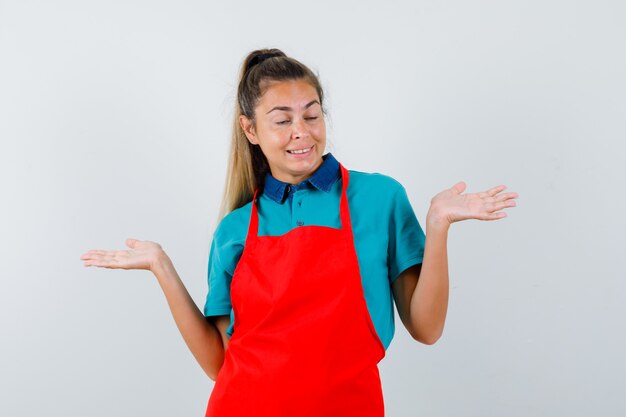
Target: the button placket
pixel 296 212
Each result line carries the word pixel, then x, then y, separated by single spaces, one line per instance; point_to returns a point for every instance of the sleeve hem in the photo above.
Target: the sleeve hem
pixel 217 311
pixel 407 264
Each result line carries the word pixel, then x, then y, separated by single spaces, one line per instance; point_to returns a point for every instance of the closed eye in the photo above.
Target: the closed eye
pixel 282 122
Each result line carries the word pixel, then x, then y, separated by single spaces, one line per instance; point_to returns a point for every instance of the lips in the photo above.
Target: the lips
pixel 300 151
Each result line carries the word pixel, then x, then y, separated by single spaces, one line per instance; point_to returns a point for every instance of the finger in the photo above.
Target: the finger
pixel 96 253
pixel 120 254
pixel 493 207
pixel 103 262
pixel 130 242
pixel 490 193
pixel 492 216
pixel 505 196
pixel 506 204
pixel 459 187
pixel 495 190
pixel 496 216
pixel 90 252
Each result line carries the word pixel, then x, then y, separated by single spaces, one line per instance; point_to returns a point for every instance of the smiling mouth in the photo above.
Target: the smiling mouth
pixel 300 151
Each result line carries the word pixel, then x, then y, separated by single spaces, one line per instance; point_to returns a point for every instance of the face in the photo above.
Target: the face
pixel 290 129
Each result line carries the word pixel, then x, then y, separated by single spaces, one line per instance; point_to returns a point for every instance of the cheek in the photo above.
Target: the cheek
pixel 319 130
pixel 277 140
pixel 321 135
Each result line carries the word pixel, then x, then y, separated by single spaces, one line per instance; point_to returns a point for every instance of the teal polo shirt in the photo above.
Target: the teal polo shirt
pixel 387 235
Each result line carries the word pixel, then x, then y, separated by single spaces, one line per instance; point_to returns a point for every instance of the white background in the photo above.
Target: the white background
pixel 114 122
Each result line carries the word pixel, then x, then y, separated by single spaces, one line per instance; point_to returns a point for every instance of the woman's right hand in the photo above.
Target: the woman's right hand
pixel 201 335
pixel 143 254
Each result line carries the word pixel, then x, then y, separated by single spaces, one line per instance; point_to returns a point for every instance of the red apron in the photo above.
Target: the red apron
pixel 303 342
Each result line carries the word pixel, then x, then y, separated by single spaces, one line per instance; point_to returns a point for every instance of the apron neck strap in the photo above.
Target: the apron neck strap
pixel 344 211
pixel 254 218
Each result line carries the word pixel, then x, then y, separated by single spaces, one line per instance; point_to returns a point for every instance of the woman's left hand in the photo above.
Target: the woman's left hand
pixel 451 206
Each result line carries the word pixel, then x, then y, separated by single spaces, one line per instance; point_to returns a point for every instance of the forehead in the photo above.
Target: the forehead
pixel 292 93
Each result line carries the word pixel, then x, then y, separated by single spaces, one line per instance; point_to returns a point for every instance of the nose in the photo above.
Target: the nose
pixel 299 129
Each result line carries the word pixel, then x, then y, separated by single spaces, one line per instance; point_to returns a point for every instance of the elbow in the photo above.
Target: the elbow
pixel 212 372
pixel 212 366
pixel 429 340
pixel 427 337
pixel 212 376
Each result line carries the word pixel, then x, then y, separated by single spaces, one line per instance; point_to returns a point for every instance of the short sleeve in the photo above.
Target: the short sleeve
pixel 406 237
pixel 226 249
pixel 218 297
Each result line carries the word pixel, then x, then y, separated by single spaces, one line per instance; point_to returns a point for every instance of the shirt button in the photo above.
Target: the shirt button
pixel 300 223
pixel 288 188
pixel 299 203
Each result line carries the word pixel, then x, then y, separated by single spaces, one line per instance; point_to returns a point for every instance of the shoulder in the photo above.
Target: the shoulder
pixel 377 195
pixel 234 225
pixel 229 239
pixel 376 185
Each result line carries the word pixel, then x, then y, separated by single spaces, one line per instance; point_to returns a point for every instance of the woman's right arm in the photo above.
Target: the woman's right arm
pixel 206 338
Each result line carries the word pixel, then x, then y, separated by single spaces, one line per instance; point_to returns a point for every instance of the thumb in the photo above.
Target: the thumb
pixel 459 187
pixel 131 242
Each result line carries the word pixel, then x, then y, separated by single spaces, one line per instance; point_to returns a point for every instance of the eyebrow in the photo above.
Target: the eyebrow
pixel 285 108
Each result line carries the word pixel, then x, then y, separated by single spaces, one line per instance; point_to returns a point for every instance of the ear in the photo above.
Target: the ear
pixel 248 128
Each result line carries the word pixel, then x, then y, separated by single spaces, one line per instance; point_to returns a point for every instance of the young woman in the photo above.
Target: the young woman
pixel 307 261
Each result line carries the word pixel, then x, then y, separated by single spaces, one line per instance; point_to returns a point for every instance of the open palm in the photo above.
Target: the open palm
pixel 141 255
pixel 453 206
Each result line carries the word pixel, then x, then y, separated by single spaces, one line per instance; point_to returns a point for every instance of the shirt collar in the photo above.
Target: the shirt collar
pixel 323 179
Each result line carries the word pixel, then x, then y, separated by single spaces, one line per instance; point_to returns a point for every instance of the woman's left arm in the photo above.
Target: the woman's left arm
pixel 421 291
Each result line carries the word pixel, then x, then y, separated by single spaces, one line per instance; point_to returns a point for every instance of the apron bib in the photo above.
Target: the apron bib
pixel 303 343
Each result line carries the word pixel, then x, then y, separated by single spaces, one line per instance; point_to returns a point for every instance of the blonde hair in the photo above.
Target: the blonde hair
pixel 247 166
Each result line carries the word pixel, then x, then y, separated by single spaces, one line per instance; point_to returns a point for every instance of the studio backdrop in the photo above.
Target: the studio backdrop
pixel 115 119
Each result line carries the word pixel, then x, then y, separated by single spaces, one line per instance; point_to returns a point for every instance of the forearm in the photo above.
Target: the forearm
pixel 429 302
pixel 201 336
